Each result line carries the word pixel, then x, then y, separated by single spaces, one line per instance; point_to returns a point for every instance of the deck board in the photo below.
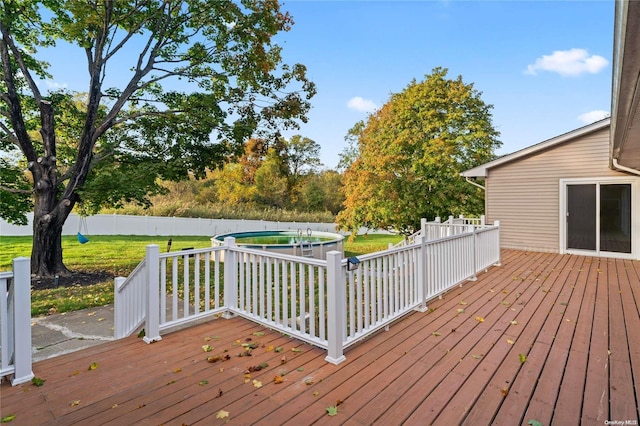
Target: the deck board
pixel 439 367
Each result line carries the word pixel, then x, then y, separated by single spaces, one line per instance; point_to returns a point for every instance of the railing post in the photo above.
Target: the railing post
pixel 474 277
pixel 118 309
pixel 482 219
pixel 422 276
pixel 152 265
pixel 335 308
pixel 497 225
pixel 230 277
pixel 22 321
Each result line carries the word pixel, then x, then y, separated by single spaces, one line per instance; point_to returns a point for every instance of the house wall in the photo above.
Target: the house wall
pixel 524 194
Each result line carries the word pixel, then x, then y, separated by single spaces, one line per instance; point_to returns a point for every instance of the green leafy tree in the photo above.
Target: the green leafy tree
pixel 322 192
pixel 303 156
pixel 271 183
pixel 112 143
pixel 411 153
pixel 350 153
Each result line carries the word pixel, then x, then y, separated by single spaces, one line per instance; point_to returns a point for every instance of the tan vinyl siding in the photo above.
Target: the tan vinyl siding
pixel 524 194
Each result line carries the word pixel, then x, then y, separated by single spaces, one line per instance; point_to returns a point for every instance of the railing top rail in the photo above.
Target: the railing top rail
pixel 6 274
pixel 264 253
pixel 132 274
pixel 186 252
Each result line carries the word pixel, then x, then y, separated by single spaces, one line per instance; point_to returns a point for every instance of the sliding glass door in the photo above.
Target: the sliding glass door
pixel 599 217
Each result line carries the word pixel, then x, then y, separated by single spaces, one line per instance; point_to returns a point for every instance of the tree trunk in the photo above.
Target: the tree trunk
pixel 46 254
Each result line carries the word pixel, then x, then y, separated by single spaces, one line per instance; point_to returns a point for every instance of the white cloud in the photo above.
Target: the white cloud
pixel 568 63
pixel 360 104
pixel 592 116
pixel 51 85
pixel 54 85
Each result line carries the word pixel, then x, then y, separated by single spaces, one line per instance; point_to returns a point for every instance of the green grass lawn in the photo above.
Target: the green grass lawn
pixel 119 255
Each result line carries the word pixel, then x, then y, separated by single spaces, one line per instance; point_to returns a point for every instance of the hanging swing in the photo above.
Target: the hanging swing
pixel 82 227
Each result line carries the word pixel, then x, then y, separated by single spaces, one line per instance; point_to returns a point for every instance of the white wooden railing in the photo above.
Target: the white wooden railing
pixel 438 229
pixel 130 301
pixel 331 303
pixel 15 323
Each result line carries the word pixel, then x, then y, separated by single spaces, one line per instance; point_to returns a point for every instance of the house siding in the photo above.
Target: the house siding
pixel 524 194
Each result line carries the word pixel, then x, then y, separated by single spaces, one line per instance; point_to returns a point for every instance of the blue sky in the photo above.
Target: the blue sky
pixel 545 66
pixel 362 51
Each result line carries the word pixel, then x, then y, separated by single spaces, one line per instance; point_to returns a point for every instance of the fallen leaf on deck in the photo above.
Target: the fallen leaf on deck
pixel 504 392
pixel 533 422
pixel 93 366
pixel 269 348
pixel 332 410
pixel 259 333
pixel 514 322
pixel 308 382
pixel 522 357
pixel 462 302
pixel 296 350
pixel 207 348
pixel 509 341
pixel 479 319
pixel 177 370
pixel 316 393
pixel 203 382
pixel 100 319
pixel 9 418
pixel 74 403
pixel 222 414
pixel 114 406
pixel 207 339
pixel 300 369
pixel 476 356
pixel 90 314
pixel 278 349
pixel 461 310
pixel 37 381
pixel 278 379
pixel 257 384
pixel 505 303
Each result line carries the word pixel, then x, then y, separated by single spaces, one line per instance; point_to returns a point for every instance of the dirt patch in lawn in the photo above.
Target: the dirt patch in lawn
pixel 81 278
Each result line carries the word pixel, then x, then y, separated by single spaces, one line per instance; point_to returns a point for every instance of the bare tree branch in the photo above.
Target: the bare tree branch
pixel 15 191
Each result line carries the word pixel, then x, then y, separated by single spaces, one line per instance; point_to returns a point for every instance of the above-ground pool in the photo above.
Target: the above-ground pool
pixel 298 243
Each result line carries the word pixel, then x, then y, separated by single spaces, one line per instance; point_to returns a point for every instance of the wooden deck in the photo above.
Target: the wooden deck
pixel 575 319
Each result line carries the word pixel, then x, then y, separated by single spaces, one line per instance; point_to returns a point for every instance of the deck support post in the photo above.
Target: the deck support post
pixel 21 321
pixel 152 265
pixel 336 294
pixel 230 278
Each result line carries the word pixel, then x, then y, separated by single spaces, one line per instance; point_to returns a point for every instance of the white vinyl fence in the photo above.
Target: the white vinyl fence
pixel 330 303
pixel 114 224
pixel 15 322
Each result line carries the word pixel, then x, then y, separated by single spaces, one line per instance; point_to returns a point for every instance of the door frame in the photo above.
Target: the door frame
pixel 635 217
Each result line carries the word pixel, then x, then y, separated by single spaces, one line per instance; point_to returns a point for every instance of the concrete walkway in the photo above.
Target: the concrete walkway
pixel 59 334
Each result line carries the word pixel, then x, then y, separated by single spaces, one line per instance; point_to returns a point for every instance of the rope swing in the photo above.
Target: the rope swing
pixel 82 227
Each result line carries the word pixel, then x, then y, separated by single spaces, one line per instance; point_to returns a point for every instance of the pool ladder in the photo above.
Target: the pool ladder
pixel 305 246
